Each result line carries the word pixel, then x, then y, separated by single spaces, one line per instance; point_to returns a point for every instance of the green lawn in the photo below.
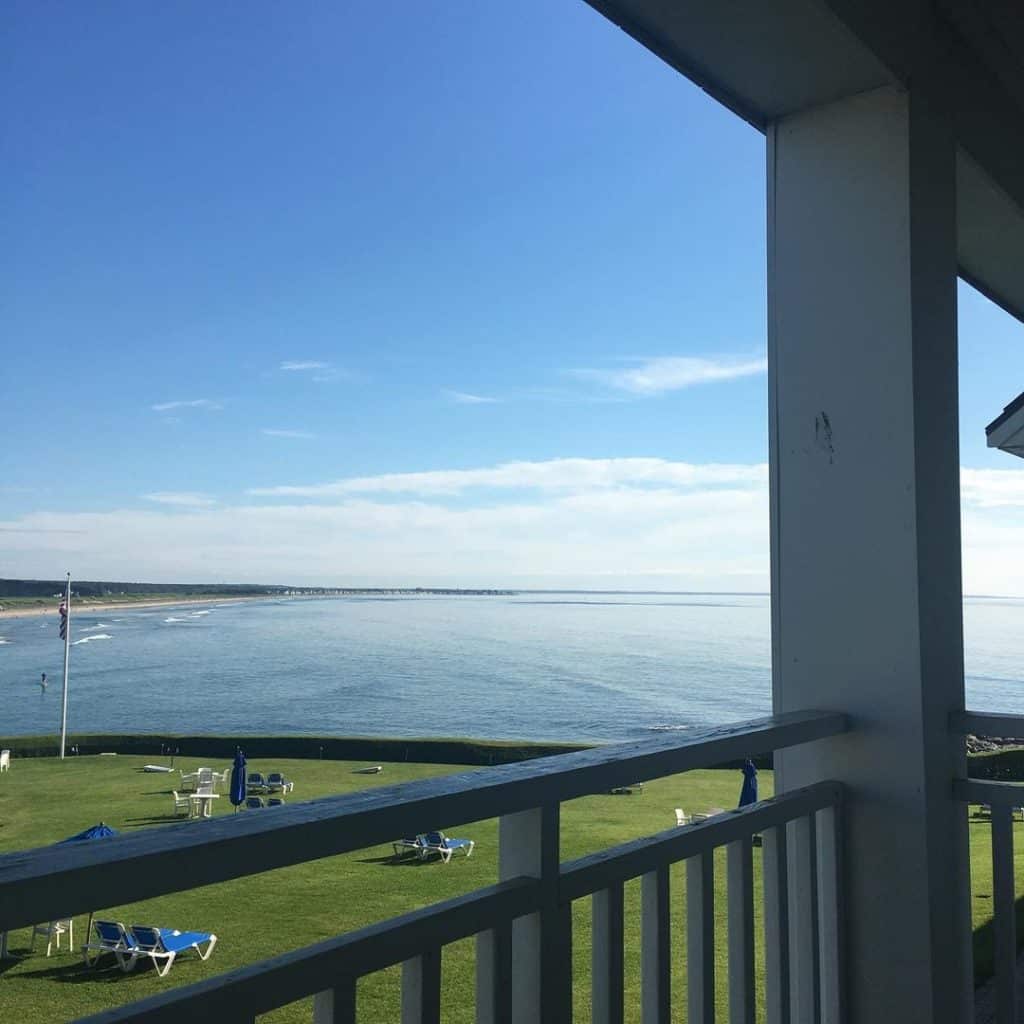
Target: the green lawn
pixel 42 800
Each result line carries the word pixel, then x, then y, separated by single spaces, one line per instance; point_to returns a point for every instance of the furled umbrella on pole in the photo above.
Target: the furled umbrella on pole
pixel 100 831
pixel 236 794
pixel 748 794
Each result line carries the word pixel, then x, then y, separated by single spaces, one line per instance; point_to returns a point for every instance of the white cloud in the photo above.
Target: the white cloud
pixel 993 488
pixel 297 434
pixel 685 539
pixel 617 523
pixel 673 373
pixel 465 398
pixel 194 403
pixel 188 499
pixel 550 475
pixel 303 364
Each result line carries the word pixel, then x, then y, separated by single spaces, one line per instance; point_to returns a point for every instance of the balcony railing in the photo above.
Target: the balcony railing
pixel 523 924
pixel 1003 798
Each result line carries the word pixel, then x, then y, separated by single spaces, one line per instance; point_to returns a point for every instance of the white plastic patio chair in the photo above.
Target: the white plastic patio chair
pixel 5 760
pixel 182 804
pixel 681 818
pixel 53 930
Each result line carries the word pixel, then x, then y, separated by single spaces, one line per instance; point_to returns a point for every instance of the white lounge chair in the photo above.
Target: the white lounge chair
pixel 53 930
pixel 439 843
pixel 111 937
pixel 711 813
pixel 5 760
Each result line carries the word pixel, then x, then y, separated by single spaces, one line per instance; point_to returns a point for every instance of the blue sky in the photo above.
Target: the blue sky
pixel 278 272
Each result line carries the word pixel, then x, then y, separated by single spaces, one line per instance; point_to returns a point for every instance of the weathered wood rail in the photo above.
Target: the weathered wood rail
pixel 1003 799
pixel 522 925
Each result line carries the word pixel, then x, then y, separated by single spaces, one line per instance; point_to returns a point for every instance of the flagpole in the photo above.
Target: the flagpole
pixel 67 654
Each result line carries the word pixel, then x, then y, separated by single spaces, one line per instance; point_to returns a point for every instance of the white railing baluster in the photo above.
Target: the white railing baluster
pixel 803 955
pixel 336 1005
pixel 776 926
pixel 494 975
pixel 829 915
pixel 421 989
pixel 655 938
pixel 606 957
pixel 700 938
pixel 740 878
pixel 1004 922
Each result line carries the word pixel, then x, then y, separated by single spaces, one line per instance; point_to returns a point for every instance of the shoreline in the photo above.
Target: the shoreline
pixel 120 606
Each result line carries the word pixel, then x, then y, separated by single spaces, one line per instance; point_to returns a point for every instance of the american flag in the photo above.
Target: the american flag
pixel 63 620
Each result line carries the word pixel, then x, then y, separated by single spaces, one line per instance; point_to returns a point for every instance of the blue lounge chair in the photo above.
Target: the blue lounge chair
pixel 162 945
pixel 439 843
pixel 254 801
pixel 111 937
pixel 255 783
pixel 277 783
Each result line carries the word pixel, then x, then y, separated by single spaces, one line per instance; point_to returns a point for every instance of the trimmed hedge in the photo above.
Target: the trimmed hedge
pixel 1006 765
pixel 329 748
pixel 332 748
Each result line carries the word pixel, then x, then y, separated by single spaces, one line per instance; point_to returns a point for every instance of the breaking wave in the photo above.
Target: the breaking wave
pixel 95 636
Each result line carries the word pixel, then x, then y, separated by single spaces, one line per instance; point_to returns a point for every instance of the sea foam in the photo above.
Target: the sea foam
pixel 95 636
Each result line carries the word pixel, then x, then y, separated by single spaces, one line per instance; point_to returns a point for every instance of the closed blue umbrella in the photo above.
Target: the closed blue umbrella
pixel 237 792
pixel 748 794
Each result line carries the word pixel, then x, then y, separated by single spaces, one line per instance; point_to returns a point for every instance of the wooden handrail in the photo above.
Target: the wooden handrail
pixel 49 882
pixel 629 860
pixel 987 723
pixel 258 988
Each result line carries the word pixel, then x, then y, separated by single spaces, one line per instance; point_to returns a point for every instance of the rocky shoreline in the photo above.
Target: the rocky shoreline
pixel 987 744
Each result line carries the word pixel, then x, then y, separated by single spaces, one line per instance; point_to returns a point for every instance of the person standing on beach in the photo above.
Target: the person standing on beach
pixel 42 684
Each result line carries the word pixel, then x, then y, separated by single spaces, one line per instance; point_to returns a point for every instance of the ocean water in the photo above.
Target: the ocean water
pixel 570 666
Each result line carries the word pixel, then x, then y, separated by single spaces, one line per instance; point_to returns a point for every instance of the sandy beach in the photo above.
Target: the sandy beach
pixel 93 606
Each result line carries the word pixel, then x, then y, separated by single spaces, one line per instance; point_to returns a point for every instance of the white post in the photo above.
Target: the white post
pixel 540 975
pixel 67 655
pixel 865 526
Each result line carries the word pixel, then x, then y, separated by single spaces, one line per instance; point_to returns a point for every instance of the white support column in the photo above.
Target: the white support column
pixel 865 525
pixel 541 956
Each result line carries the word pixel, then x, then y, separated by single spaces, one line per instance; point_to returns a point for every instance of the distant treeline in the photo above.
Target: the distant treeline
pixel 102 589
pixel 90 588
